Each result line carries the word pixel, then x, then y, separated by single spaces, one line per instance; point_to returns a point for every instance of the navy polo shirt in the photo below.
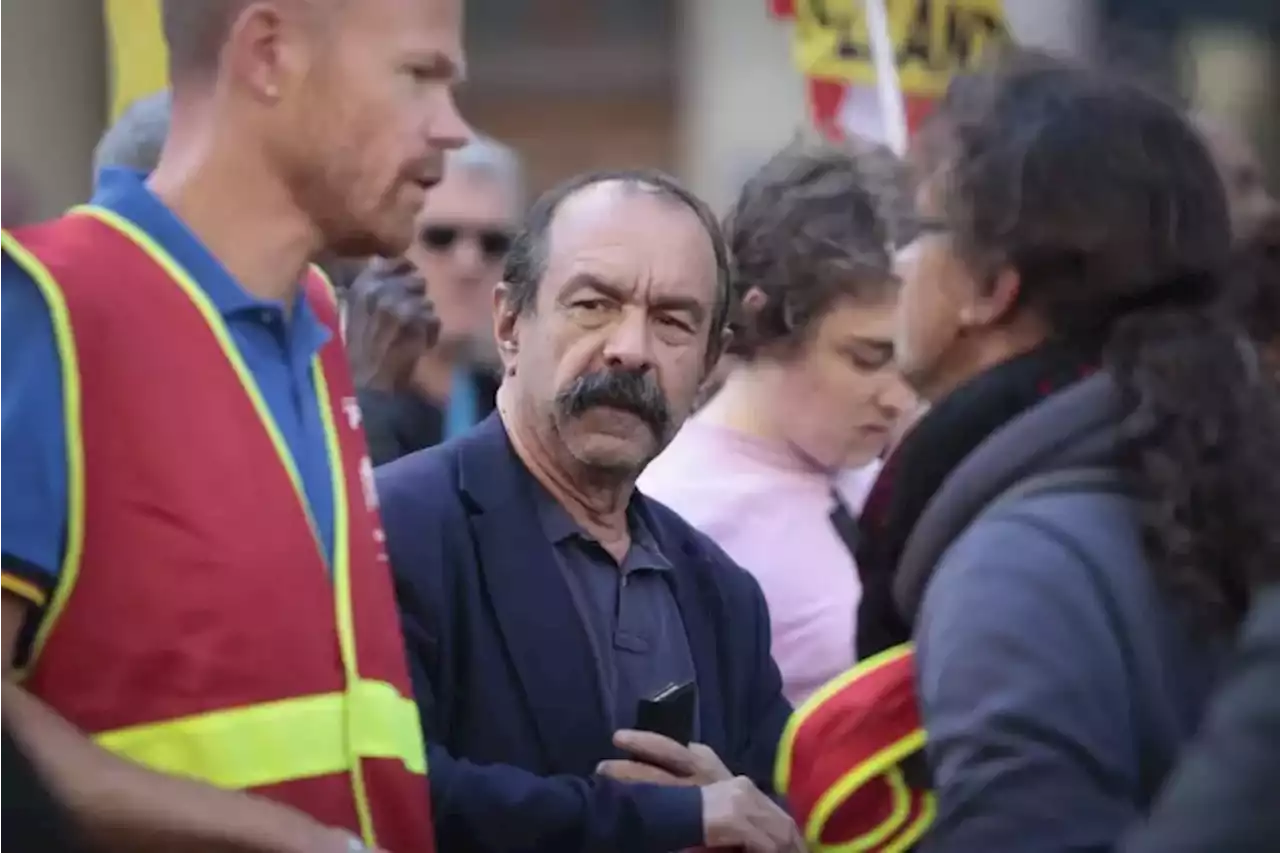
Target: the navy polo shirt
pixel 277 344
pixel 628 608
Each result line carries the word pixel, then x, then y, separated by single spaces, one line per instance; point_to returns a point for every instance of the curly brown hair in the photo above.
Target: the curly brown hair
pixel 815 223
pixel 1106 201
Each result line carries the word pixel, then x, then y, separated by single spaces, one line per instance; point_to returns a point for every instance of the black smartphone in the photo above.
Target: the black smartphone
pixel 670 712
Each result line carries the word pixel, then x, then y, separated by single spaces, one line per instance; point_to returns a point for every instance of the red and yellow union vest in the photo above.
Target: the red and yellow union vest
pixel 840 760
pixel 196 627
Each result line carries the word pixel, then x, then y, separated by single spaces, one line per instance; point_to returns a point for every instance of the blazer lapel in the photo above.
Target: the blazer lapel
pixel 543 632
pixel 696 612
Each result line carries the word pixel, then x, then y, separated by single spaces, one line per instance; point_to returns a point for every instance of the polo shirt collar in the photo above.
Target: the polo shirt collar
pixel 125 192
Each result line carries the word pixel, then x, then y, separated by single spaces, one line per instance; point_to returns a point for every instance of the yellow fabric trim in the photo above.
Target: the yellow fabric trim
pixel 24 589
pixel 69 361
pixel 917 828
pixel 342 599
pixel 885 763
pixel 279 741
pixel 786 747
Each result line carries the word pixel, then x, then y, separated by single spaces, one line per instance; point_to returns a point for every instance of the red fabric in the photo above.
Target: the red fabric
pixel 870 713
pixel 782 8
pixel 826 97
pixel 201 586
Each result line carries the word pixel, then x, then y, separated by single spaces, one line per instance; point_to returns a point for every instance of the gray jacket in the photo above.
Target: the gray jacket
pixel 1057 682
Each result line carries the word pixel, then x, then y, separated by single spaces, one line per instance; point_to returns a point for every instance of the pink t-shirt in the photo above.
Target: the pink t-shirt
pixel 771 514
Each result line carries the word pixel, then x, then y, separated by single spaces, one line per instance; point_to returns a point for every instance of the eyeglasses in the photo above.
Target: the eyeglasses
pixel 494 243
pixel 930 224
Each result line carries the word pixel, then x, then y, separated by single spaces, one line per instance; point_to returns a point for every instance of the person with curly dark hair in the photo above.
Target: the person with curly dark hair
pixel 1074 531
pixel 795 431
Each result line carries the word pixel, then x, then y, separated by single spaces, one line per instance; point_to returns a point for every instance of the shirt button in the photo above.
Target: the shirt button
pixel 267 317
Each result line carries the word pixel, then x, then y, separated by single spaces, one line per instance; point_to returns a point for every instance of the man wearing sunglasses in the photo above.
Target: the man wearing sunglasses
pixel 464 230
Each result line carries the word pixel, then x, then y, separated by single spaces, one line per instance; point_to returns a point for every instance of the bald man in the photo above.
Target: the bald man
pixel 200 631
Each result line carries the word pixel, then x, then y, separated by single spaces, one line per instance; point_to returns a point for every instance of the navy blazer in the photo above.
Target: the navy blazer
pixel 502 666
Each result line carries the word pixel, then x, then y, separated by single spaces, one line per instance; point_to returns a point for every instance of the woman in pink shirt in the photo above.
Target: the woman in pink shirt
pixel 775 466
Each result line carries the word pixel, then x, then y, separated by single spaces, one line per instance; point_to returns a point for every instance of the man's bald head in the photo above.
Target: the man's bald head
pixel 195 31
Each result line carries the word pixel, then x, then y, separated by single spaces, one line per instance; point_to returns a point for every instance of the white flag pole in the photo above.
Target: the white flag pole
pixel 889 88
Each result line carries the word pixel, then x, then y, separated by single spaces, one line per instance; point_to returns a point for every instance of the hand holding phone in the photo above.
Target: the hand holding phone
pixel 670 712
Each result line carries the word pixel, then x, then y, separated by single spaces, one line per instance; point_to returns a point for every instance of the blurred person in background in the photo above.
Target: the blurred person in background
pixel 1254 294
pixel 136 138
pixel 180 429
pixel 543 598
pixel 390 324
pixel 775 466
pixel 1255 211
pixel 1092 502
pixel 1222 796
pixel 17 199
pixel 463 233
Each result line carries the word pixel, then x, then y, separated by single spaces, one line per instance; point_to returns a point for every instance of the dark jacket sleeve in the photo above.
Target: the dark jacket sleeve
pixel 396 425
pixel 1225 793
pixel 378 410
pixel 496 807
pixel 1023 690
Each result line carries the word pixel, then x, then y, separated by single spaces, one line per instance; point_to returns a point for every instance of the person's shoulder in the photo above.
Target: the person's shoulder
pixel 420 480
pixel 1095 529
pixel 13 270
pixel 1030 560
pixel 31 348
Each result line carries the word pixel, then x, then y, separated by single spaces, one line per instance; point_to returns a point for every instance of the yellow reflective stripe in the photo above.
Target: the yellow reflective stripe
pixel 885 762
pixel 24 589
pixel 69 362
pixel 917 828
pixel 279 741
pixel 802 714
pixel 345 613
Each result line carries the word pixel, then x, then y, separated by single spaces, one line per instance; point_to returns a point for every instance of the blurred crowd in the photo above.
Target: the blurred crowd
pixel 355 500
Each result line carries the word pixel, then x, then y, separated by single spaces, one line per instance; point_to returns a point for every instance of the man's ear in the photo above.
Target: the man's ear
pixel 506 330
pixel 715 354
pixel 998 301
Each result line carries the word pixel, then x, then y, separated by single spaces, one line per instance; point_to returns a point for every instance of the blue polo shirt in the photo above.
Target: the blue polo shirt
pixel 277 345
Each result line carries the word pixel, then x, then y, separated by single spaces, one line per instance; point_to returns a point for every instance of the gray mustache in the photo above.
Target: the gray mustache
pixel 626 390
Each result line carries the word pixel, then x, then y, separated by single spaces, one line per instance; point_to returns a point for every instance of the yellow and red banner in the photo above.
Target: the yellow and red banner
pixel 138 58
pixel 932 40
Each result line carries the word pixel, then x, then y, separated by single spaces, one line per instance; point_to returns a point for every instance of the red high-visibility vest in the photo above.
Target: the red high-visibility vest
pixel 839 762
pixel 196 627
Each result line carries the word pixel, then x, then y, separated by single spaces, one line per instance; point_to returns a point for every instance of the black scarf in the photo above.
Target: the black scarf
pixel 923 460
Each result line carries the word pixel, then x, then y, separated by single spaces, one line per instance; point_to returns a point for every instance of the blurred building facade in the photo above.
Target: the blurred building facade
pixel 702 88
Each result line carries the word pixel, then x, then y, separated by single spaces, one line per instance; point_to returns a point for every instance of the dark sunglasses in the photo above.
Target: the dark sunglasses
pixel 494 242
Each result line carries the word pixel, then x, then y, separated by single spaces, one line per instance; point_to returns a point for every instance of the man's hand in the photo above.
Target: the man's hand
pixel 390 324
pixel 736 814
pixel 341 841
pixel 662 761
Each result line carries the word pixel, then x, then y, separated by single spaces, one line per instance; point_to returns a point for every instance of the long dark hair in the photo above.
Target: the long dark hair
pixel 1105 200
